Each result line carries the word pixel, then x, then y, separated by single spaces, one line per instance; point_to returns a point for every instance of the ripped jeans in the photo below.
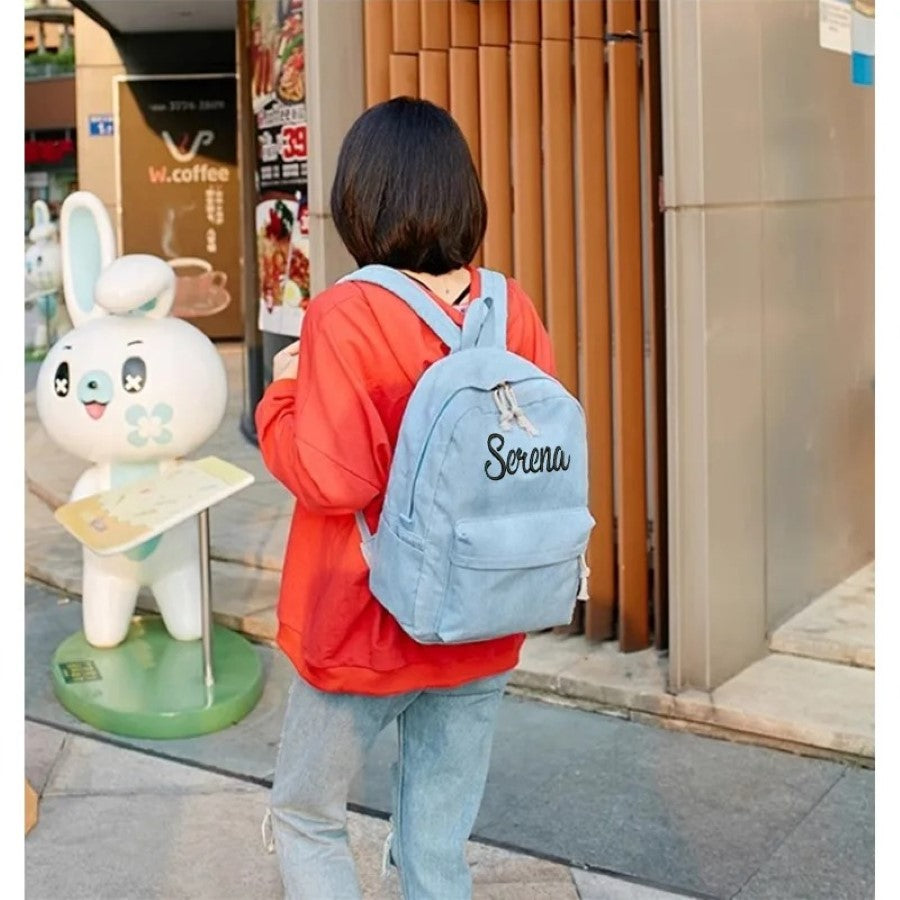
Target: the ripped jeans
pixel 445 737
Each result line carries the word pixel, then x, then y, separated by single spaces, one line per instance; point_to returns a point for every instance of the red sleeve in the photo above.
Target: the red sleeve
pixel 321 435
pixel 526 334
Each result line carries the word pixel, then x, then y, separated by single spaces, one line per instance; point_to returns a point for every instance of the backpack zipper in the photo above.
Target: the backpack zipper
pixel 421 457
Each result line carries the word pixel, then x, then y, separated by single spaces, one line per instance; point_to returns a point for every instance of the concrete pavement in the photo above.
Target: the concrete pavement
pixel 121 824
pixel 673 811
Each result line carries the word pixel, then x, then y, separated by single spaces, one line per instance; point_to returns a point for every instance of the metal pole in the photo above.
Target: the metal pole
pixel 206 599
pixel 254 351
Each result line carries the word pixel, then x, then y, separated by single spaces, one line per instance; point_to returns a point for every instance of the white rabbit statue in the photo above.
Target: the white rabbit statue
pixel 43 277
pixel 132 390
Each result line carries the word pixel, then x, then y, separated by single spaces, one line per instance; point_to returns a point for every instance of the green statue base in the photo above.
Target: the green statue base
pixel 151 686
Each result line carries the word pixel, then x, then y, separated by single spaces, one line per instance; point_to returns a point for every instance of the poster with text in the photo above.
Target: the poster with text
pixel 279 106
pixel 834 25
pixel 179 190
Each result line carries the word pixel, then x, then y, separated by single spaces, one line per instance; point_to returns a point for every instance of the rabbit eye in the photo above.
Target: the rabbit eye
pixel 40 259
pixel 61 380
pixel 134 374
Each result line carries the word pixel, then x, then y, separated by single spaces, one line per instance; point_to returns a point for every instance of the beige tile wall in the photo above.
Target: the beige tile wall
pixel 768 166
pixel 819 366
pixel 735 402
pixel 335 68
pixel 731 67
pixel 818 130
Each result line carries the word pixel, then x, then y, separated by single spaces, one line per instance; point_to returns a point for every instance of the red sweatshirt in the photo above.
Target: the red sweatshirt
pixel 329 437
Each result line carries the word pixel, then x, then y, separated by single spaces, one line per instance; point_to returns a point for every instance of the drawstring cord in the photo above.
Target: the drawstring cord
pixel 510 411
pixel 507 415
pixel 518 413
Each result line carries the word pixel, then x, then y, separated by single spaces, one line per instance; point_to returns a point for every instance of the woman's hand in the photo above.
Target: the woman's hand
pixel 284 363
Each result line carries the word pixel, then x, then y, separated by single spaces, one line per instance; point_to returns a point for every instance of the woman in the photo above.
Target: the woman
pixel 405 195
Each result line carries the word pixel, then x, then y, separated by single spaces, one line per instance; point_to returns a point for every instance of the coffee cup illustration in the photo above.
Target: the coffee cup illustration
pixel 199 289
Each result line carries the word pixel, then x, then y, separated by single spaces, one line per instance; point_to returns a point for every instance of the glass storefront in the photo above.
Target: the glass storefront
pixel 50 171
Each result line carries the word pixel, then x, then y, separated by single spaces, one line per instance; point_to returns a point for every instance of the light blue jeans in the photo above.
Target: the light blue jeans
pixel 445 738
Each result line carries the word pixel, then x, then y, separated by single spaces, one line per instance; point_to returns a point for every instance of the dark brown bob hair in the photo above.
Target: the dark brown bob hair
pixel 406 193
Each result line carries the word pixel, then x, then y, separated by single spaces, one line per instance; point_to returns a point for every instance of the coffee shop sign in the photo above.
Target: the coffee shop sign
pixel 184 151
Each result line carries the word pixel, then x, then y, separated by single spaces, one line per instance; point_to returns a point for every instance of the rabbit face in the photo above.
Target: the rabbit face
pixel 129 384
pixel 132 389
pixel 43 266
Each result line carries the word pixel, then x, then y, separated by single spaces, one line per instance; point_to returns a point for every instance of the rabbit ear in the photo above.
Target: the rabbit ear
pixel 137 285
pixel 40 213
pixel 88 247
pixel 42 229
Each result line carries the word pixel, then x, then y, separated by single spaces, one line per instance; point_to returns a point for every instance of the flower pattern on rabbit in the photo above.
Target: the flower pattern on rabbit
pixel 149 426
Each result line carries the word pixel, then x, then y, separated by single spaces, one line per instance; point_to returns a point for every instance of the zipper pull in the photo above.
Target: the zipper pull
pixel 518 413
pixel 583 573
pixel 507 415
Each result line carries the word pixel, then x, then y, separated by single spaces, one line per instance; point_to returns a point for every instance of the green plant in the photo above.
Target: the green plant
pixel 65 59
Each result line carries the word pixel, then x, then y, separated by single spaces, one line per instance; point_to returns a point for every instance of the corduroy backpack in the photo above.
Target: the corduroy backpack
pixel 485 521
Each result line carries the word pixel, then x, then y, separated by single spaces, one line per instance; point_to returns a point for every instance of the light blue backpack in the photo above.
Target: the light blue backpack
pixel 485 520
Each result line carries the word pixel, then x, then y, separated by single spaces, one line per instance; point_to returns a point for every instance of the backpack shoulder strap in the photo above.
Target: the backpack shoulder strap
pixel 414 297
pixel 485 321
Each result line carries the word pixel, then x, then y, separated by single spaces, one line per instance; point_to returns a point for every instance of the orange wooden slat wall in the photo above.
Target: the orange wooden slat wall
pixel 463 63
pixel 587 19
pixel 463 23
pixel 556 19
pixel 649 15
pixel 622 16
pixel 434 77
pixel 493 102
pixel 378 27
pixel 493 22
pixel 525 21
pixel 594 327
pixel 404 71
pixel 559 224
pixel 525 93
pixel 516 74
pixel 628 423
pixel 434 17
pixel 406 25
pixel 464 97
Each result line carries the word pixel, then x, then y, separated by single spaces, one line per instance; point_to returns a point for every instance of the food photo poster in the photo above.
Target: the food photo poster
pixel 279 108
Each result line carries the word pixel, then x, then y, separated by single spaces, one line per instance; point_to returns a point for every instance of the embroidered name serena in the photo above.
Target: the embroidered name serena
pixel 539 459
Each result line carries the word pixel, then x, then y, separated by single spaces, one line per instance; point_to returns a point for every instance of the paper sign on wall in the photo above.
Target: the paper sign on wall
pixel 848 26
pixel 834 25
pixel 100 125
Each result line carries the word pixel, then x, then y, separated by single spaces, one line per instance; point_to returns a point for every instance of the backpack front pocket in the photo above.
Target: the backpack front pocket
pixel 513 573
